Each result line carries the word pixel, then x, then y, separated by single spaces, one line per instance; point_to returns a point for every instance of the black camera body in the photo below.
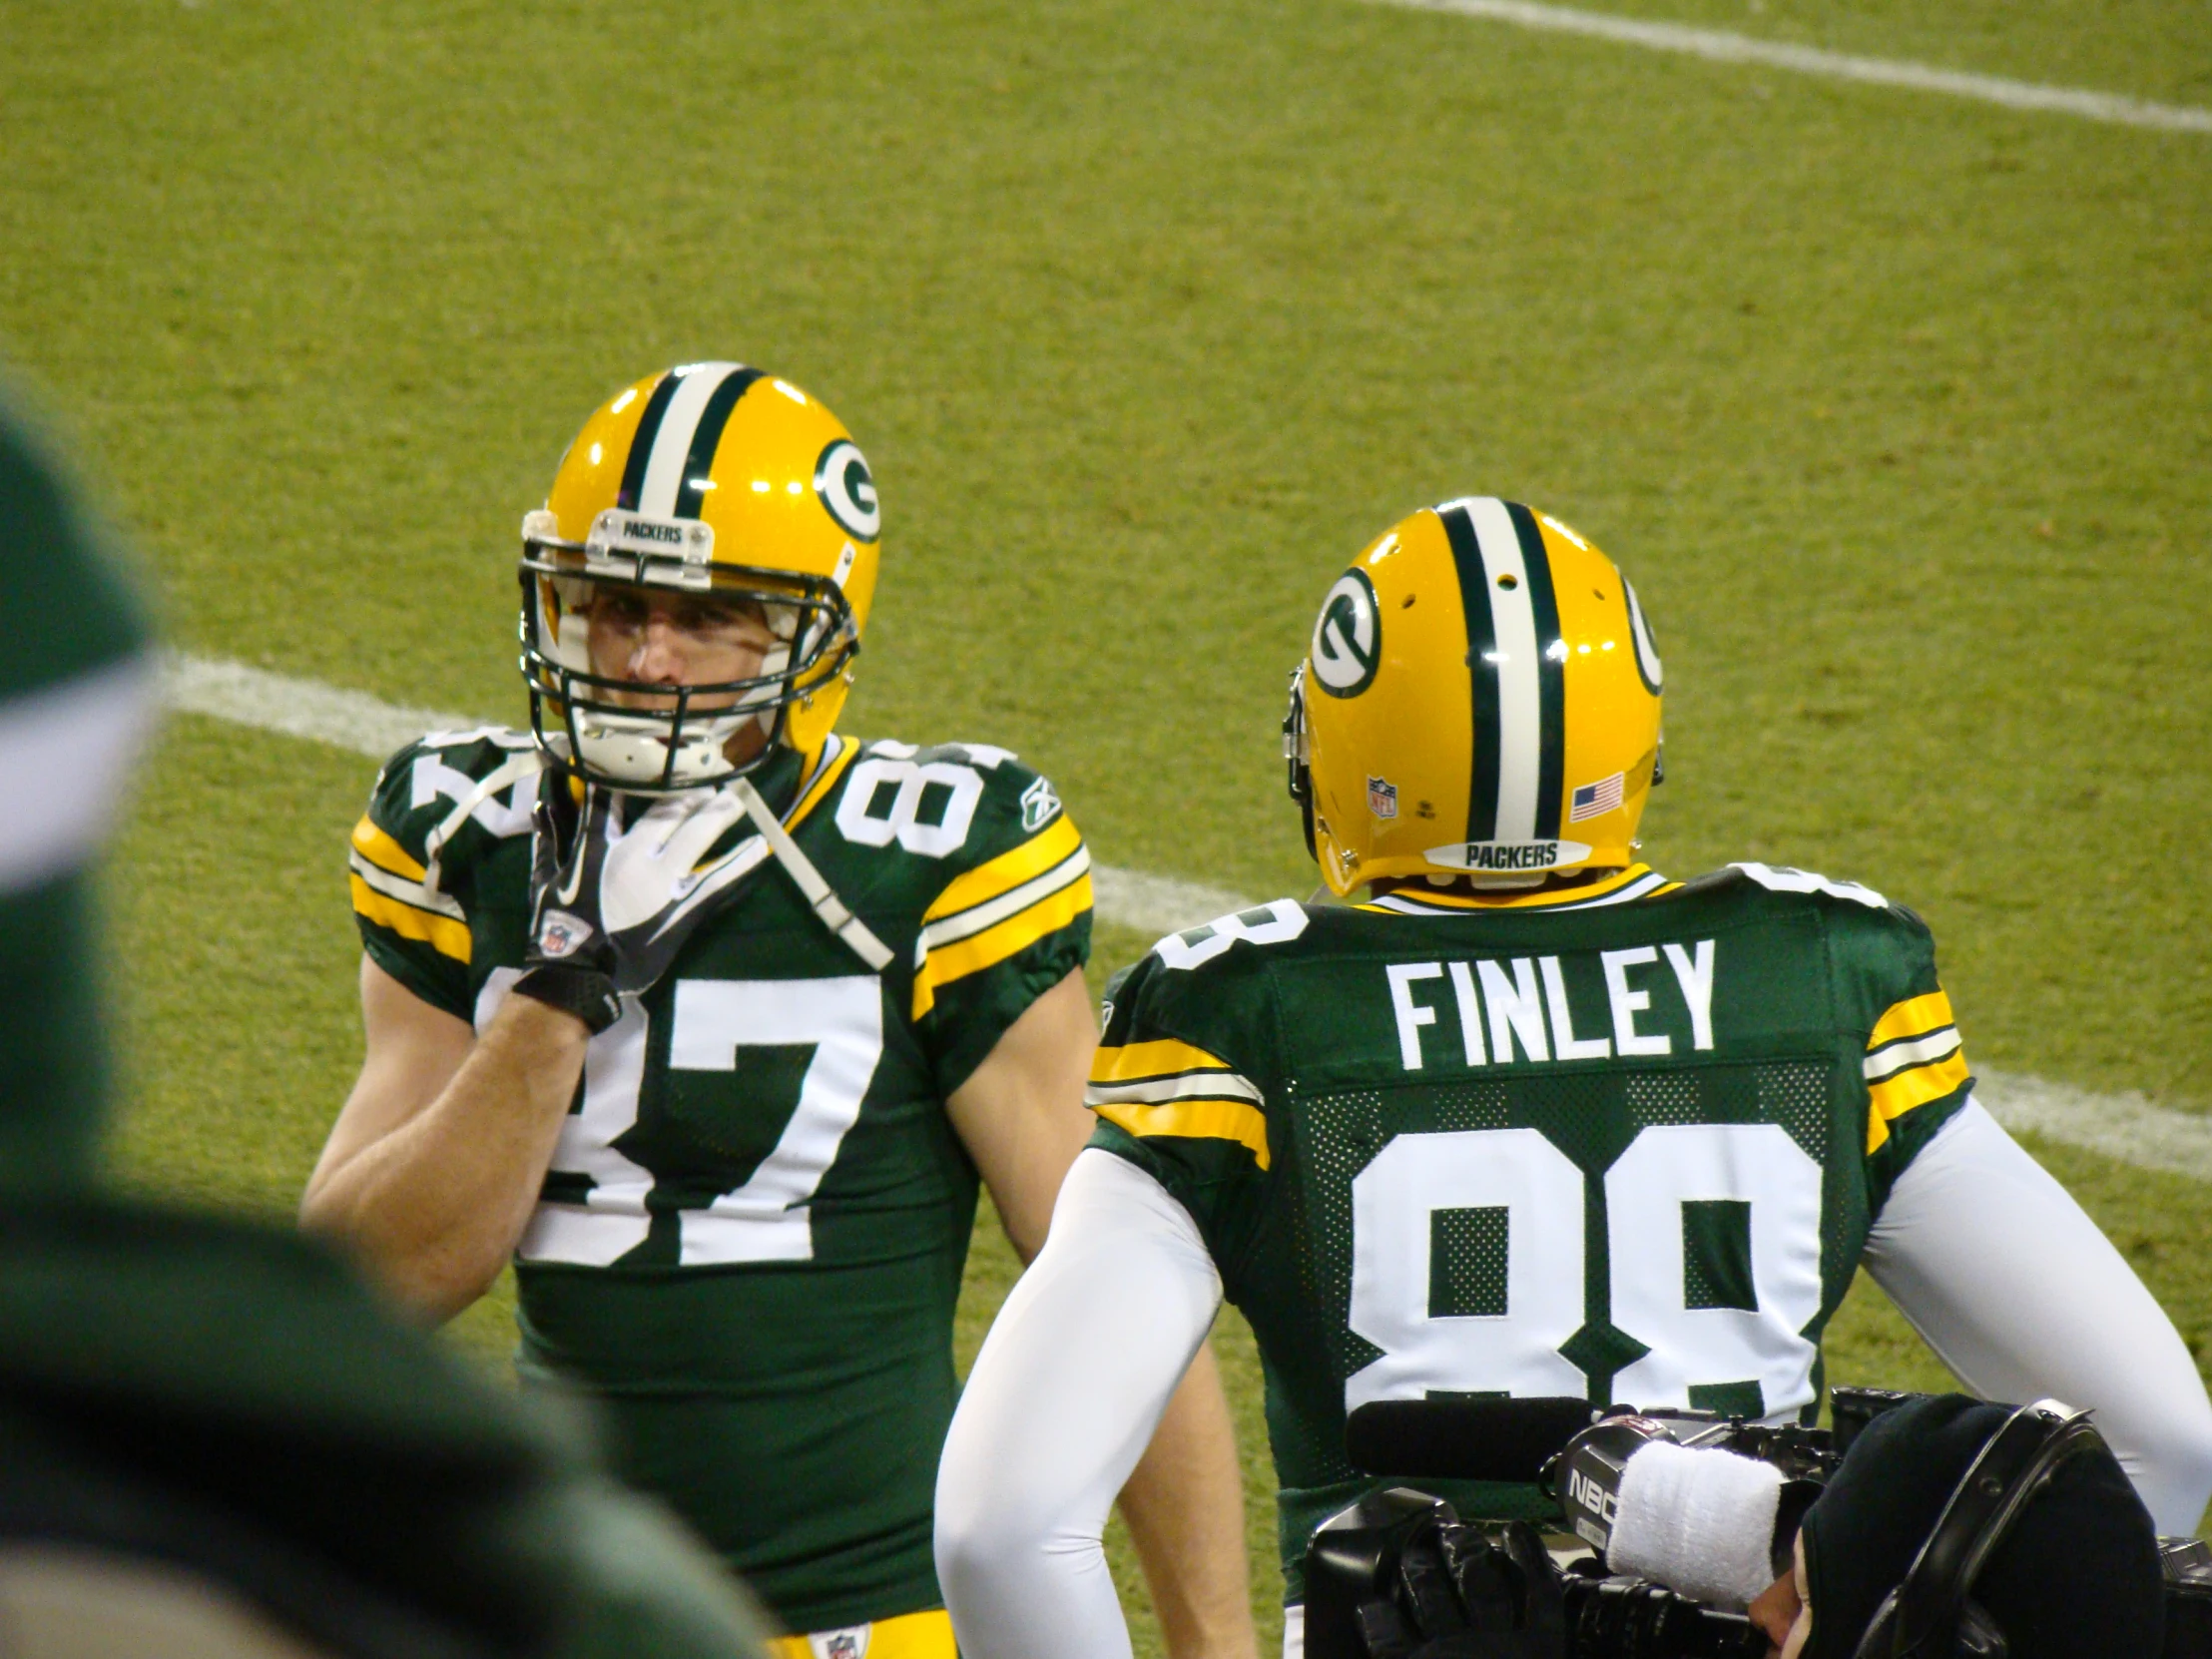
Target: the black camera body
pixel 1399 1574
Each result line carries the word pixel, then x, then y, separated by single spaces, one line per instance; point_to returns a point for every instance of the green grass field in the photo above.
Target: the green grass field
pixel 1898 409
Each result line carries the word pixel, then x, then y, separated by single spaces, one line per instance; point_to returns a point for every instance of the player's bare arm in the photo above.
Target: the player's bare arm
pixel 437 1161
pixel 1185 1506
pixel 1021 1114
pixel 435 1164
pixel 1021 1117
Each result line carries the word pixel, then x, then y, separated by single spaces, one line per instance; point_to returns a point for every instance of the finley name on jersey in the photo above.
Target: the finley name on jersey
pixel 1518 1010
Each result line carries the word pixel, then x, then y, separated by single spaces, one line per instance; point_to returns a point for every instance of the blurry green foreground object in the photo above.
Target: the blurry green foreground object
pixel 212 1439
pixel 76 694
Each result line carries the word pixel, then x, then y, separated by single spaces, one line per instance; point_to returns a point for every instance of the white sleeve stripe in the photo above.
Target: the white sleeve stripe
pixel 1891 1058
pixel 398 886
pixel 65 753
pixel 1189 1085
pixel 966 924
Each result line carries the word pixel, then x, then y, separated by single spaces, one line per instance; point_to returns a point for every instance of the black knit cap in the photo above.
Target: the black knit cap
pixel 2076 1579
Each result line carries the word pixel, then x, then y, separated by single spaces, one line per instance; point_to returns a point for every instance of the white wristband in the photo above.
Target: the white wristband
pixel 1700 1522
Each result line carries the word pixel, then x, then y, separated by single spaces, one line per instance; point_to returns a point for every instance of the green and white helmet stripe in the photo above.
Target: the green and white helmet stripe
pixel 677 436
pixel 1517 674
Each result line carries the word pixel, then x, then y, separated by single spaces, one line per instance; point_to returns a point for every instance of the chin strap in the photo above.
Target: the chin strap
pixel 819 893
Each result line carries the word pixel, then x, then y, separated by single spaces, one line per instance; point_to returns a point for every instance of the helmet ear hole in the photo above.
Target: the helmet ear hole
pixel 1300 773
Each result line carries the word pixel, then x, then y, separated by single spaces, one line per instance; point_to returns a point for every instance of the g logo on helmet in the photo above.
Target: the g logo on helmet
pixel 847 492
pixel 1347 638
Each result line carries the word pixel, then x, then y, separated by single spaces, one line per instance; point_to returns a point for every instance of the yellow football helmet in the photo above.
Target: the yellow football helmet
pixel 1480 701
pixel 704 478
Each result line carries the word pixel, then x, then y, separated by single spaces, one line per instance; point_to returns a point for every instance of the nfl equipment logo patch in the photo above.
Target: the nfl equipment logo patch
pixel 561 934
pixel 1382 798
pixel 1591 800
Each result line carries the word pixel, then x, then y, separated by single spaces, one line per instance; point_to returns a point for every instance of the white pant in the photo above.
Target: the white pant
pixel 1294 1633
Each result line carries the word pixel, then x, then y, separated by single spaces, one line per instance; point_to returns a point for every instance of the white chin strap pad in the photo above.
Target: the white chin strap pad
pixel 633 749
pixel 1700 1521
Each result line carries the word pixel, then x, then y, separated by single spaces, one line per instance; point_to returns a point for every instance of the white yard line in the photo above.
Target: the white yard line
pixel 1157 903
pixel 1723 47
pixel 297 707
pixel 2123 1126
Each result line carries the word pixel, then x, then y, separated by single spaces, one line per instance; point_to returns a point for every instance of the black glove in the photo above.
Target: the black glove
pixel 618 886
pixel 1481 1592
pixel 1400 1576
pixel 569 959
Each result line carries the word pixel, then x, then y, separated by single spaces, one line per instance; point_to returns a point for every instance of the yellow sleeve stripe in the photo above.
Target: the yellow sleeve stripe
pixel 994 944
pixel 384 852
pixel 1912 1018
pixel 1048 846
pixel 1896 1096
pixel 978 918
pixel 1205 1120
pixel 1162 1057
pixel 447 936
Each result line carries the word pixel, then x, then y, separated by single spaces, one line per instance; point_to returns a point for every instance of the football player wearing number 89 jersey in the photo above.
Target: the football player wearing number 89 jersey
pixel 711 1019
pixel 1530 1119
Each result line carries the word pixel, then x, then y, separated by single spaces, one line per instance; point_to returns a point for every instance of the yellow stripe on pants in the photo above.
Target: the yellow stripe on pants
pixel 926 1635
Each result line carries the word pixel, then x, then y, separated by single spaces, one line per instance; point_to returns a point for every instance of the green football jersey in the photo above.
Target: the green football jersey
pixel 751 1239
pixel 1623 1144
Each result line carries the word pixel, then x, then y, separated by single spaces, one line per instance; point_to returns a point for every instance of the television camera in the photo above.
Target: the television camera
pixel 1400 1575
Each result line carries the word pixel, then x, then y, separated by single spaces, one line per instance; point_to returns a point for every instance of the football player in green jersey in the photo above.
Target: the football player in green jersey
pixel 711 1018
pixel 214 1439
pixel 1530 1120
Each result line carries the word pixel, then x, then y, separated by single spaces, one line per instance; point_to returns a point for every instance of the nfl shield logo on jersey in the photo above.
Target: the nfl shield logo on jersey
pixel 1382 798
pixel 842 1644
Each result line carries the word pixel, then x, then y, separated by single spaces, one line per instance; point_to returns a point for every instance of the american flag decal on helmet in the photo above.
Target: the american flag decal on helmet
pixel 1591 800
